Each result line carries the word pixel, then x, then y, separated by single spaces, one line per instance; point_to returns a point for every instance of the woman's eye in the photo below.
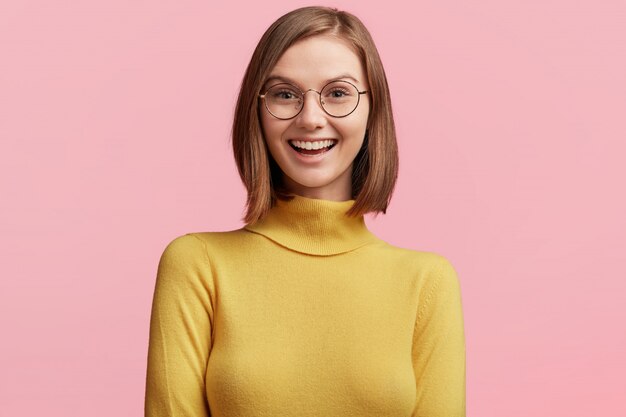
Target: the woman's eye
pixel 338 93
pixel 285 95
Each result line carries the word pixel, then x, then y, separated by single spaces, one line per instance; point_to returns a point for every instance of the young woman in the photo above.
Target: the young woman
pixel 304 312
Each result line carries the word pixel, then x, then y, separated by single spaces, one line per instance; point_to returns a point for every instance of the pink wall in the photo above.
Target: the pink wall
pixel 114 123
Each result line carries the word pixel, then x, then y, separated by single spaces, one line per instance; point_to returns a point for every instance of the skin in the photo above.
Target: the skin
pixel 311 63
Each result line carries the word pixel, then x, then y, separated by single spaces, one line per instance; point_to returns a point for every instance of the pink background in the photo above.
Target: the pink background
pixel 114 128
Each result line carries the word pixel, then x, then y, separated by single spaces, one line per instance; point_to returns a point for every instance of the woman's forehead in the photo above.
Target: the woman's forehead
pixel 319 59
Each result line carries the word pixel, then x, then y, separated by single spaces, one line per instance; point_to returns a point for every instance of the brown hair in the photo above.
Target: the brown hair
pixel 375 167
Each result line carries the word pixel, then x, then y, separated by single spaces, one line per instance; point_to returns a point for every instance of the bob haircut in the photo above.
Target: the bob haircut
pixel 375 168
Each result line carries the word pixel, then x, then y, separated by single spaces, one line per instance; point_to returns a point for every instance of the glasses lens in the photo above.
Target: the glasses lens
pixel 283 101
pixel 340 98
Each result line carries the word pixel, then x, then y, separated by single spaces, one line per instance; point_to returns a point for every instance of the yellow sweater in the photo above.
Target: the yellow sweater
pixel 305 313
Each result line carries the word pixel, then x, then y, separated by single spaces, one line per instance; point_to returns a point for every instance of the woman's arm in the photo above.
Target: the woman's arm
pixel 439 346
pixel 180 332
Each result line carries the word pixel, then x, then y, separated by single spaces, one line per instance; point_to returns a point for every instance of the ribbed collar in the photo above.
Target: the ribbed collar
pixel 314 226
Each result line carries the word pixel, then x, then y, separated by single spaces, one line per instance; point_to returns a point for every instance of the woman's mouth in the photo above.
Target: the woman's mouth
pixel 312 147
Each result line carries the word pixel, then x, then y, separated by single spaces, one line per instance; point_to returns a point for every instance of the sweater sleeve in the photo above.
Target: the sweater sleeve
pixel 180 332
pixel 439 346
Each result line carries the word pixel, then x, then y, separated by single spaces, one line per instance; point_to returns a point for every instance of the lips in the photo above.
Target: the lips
pixel 312 146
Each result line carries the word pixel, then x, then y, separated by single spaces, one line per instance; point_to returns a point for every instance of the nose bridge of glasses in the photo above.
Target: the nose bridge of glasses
pixel 315 91
pixel 311 89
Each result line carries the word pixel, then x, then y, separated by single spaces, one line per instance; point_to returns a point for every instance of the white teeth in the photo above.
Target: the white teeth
pixel 319 144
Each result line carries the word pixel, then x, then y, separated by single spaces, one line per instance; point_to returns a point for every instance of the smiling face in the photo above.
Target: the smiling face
pixel 326 173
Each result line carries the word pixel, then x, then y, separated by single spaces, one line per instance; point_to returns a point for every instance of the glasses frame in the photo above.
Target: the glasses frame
pixel 302 96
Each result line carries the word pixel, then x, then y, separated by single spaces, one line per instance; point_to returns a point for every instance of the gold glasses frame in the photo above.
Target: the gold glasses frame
pixel 302 96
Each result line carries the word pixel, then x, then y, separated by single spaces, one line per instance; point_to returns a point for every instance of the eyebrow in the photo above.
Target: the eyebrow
pixel 291 81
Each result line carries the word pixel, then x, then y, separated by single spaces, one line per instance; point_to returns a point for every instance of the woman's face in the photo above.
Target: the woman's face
pixel 310 64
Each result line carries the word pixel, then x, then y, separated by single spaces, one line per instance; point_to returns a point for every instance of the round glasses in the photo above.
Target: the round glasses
pixel 285 101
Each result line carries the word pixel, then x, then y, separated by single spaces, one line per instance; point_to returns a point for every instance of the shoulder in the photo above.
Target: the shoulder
pixel 184 274
pixel 418 261
pixel 201 246
pixel 436 270
pixel 438 265
pixel 438 286
pixel 183 246
pixel 440 275
pixel 433 273
pixel 182 258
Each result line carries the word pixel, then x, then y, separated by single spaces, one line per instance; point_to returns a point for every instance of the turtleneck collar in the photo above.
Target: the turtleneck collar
pixel 313 226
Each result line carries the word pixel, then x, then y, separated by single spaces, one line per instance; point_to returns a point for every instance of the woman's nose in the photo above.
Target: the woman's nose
pixel 312 115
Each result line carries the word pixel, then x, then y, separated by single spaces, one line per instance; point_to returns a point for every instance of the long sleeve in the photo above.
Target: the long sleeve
pixel 180 332
pixel 439 346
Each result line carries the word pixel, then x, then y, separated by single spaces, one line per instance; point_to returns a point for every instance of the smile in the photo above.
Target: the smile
pixel 312 147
